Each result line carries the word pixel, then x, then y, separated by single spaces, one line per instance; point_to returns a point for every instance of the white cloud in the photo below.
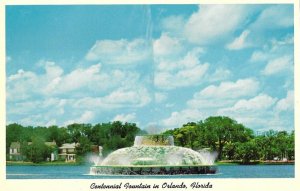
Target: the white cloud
pixel 287 103
pixel 86 117
pixel 276 16
pixel 22 85
pixel 118 52
pixel 79 78
pixel 120 98
pixel 174 24
pixel 187 71
pixel 274 48
pixel 25 107
pixel 166 46
pixel 260 112
pixel 209 104
pixel 136 97
pixel 211 22
pixel 26 84
pixel 183 78
pixel 215 97
pixel 219 75
pixel 258 56
pixel 131 117
pixel 281 64
pixel 177 119
pixel 256 104
pixel 239 42
pixel 51 122
pixel 242 87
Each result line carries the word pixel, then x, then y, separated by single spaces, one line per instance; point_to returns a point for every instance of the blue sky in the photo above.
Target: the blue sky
pixel 159 66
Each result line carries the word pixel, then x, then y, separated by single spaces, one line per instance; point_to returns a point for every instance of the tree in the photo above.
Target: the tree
pixel 222 130
pixel 14 133
pixel 37 151
pixel 84 146
pixel 247 151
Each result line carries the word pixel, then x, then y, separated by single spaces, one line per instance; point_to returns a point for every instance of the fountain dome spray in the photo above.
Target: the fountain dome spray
pixel 155 155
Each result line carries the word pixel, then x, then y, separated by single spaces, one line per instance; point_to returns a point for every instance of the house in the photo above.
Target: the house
pixel 67 152
pixel 15 151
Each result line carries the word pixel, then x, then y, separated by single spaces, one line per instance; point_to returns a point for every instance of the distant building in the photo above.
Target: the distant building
pixel 97 150
pixel 15 151
pixel 67 152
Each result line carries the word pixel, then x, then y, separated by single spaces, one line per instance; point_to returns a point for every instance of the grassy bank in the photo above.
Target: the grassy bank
pixel 256 162
pixel 221 163
pixel 60 163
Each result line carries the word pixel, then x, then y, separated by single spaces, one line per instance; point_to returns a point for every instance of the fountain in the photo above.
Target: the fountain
pixel 154 155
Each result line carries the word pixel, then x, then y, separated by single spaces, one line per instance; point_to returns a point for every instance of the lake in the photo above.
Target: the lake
pixel 82 172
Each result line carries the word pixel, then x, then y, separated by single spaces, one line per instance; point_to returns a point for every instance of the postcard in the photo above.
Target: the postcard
pixel 149 95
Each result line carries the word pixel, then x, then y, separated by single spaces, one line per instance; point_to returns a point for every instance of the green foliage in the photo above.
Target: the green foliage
pixel 233 140
pixel 110 136
pixel 37 151
pixel 84 146
pixel 247 151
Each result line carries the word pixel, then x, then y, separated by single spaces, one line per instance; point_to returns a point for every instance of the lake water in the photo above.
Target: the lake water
pixel 82 172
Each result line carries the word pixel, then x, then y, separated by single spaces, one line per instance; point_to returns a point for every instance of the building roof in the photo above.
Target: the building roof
pixel 53 143
pixel 68 146
pixel 15 145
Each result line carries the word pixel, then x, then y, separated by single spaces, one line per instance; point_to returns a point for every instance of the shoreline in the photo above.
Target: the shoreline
pixel 20 163
pixel 219 163
pixel 268 162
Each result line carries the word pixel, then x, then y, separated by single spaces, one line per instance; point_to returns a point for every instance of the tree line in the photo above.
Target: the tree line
pixel 232 140
pixel 110 136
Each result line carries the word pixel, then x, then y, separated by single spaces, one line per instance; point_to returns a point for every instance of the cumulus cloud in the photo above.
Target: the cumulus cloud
pixel 55 92
pixel 48 111
pixel 219 75
pixel 258 103
pixel 281 64
pixel 239 42
pixel 261 112
pixel 273 48
pixel 287 103
pixel 120 52
pixel 166 46
pixel 213 97
pixel 177 119
pixel 184 72
pixel 26 84
pixel 22 85
pixel 120 98
pixel 205 26
pixel 85 117
pixel 130 117
pixel 279 13
pixel 242 87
